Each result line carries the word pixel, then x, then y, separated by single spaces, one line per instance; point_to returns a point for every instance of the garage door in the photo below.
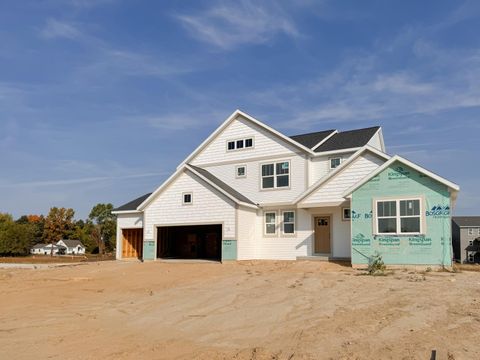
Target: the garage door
pixel 132 244
pixel 190 242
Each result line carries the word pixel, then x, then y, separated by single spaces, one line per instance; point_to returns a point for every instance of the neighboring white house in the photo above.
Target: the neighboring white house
pixel 250 192
pixel 62 247
pixel 73 247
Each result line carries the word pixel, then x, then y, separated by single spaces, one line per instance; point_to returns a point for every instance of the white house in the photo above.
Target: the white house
pixel 250 192
pixel 73 247
pixel 62 247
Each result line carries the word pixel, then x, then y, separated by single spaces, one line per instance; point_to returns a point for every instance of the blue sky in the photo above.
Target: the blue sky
pixel 101 99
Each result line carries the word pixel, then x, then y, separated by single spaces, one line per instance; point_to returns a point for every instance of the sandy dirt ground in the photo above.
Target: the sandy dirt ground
pixel 244 310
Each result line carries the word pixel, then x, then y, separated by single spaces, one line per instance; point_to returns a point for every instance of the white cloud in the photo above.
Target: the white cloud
pixel 59 29
pixel 229 24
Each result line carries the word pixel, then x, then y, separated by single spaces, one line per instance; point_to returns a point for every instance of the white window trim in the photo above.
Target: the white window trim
pixel 398 217
pixel 330 162
pixel 183 198
pixel 240 139
pixel 275 175
pixel 294 223
pixel 265 223
pixel 343 213
pixel 236 172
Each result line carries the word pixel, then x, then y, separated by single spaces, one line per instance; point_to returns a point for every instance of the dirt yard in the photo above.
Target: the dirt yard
pixel 246 310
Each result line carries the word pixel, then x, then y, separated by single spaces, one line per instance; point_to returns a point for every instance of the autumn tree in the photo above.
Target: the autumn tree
pixel 58 224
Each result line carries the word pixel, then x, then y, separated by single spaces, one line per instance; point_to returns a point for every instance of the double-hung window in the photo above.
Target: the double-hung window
pixel 289 222
pixel 399 216
pixel 276 175
pixel 270 223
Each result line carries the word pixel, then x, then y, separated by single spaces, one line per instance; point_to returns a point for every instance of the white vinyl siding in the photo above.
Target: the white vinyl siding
pixel 209 207
pixel 332 190
pixel 265 144
pixel 250 186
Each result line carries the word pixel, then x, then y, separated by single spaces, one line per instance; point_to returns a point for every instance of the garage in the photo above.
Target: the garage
pixel 190 242
pixel 132 244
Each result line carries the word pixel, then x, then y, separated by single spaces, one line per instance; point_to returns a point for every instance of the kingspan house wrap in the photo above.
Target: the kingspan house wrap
pixel 250 192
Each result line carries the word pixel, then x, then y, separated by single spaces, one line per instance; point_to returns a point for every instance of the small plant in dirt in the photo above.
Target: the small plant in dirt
pixel 376 266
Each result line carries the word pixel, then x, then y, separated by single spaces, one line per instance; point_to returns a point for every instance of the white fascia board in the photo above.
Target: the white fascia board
pixel 342 166
pixel 340 202
pixel 127 212
pixel 235 200
pixel 323 141
pixel 449 184
pixel 232 117
pixel 335 152
pixel 143 205
pixel 382 142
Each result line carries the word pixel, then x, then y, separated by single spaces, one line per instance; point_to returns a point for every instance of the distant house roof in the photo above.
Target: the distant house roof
pixel 39 246
pixel 132 205
pixel 311 139
pixel 348 139
pixel 72 243
pixel 222 185
pixel 464 221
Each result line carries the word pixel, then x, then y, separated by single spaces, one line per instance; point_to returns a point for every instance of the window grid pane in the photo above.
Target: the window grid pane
pixel 288 216
pixel 410 225
pixel 239 144
pixel 248 142
pixel 387 225
pixel 267 170
pixel 282 181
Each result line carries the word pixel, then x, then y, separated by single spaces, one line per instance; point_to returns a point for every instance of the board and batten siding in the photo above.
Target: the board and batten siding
pixel 289 247
pixel 208 207
pixel 247 243
pixel 250 186
pixel 265 144
pixel 332 190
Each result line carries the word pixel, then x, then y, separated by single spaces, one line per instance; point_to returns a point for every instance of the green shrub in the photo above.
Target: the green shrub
pixel 376 266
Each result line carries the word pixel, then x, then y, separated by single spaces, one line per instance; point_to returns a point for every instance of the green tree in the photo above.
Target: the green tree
pixel 58 225
pixel 15 238
pixel 105 226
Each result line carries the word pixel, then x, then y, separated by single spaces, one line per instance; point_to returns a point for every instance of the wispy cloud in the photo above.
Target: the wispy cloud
pixel 54 29
pixel 229 24
pixel 85 180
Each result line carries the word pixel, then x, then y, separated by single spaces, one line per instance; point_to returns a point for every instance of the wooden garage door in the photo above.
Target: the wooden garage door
pixel 132 245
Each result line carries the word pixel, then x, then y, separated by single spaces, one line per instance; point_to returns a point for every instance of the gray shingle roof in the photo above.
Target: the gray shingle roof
pixel 466 220
pixel 311 139
pixel 132 205
pixel 222 185
pixel 39 246
pixel 348 139
pixel 72 243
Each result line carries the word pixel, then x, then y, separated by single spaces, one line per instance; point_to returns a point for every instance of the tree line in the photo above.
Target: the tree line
pixel 97 232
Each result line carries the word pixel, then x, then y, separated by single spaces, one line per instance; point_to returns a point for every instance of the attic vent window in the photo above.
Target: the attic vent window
pixel 187 198
pixel 335 162
pixel 239 144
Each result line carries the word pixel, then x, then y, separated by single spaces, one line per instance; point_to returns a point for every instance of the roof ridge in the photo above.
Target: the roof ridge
pixel 313 132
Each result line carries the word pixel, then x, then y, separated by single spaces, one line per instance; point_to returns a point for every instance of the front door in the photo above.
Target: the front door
pixel 322 235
